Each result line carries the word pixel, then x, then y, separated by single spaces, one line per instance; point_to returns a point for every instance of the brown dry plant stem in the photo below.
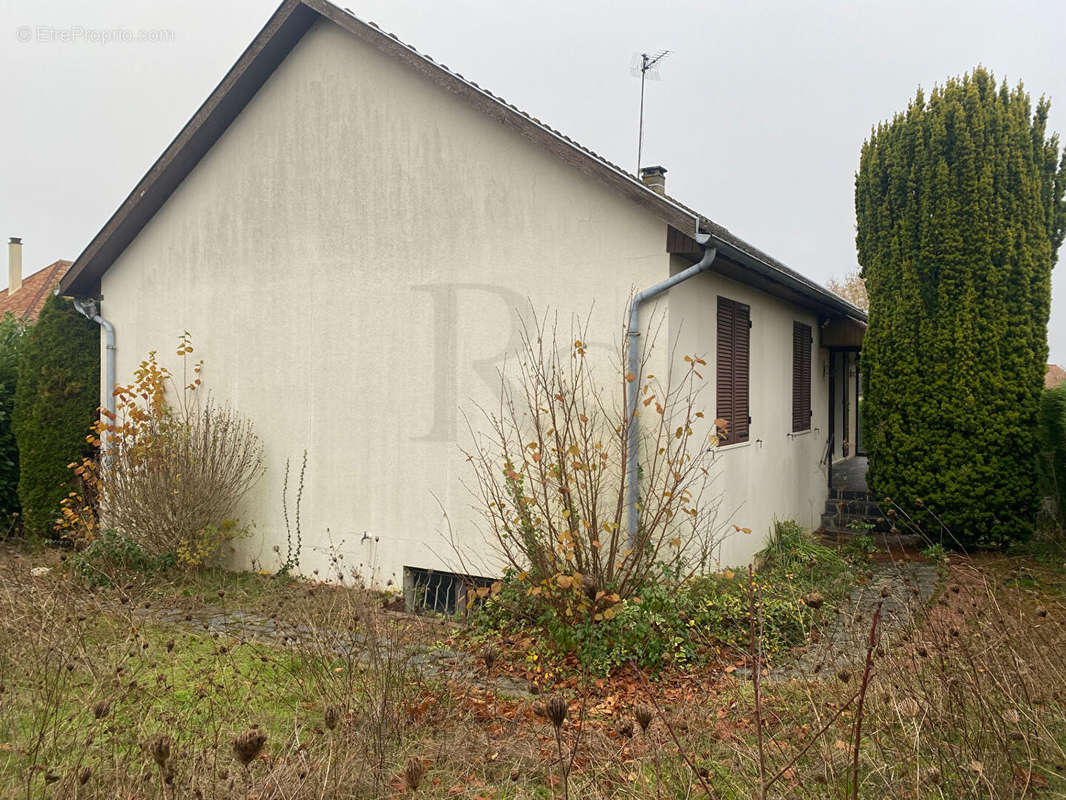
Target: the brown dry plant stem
pixel 556 708
pixel 870 647
pixel 654 701
pixel 755 614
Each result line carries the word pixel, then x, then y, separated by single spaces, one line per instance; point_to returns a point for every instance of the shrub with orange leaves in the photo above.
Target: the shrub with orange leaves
pixel 551 474
pixel 173 466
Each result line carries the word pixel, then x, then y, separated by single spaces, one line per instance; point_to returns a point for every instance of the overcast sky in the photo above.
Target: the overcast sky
pixel 759 116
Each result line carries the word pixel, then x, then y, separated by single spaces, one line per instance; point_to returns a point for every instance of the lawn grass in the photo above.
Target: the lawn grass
pixel 64 647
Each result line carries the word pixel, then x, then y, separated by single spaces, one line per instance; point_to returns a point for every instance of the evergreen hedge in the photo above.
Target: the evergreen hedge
pixel 1051 465
pixel 56 402
pixel 12 333
pixel 960 210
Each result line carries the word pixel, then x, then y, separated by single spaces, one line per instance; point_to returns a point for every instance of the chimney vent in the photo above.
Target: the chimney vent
pixel 14 265
pixel 654 178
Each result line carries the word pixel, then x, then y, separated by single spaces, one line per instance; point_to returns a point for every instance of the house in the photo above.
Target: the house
pixel 351 232
pixel 24 296
pixel 1055 376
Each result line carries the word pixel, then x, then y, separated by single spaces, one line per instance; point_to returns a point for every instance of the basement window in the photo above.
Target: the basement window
pixel 428 591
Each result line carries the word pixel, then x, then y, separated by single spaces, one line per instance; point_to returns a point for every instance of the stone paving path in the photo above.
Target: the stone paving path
pixel 440 662
pixel 908 586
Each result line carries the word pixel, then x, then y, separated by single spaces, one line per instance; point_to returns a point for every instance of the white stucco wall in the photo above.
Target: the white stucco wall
pixel 349 258
pixel 775 474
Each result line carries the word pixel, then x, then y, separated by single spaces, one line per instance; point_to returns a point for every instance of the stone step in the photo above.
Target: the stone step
pixel 863 508
pixel 850 494
pixel 838 523
pixel 886 540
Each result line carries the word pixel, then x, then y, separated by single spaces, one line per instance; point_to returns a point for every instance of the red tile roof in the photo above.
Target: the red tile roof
pixel 1054 376
pixel 27 302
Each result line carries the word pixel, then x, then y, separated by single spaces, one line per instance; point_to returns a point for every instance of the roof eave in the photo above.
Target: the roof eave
pixel 819 295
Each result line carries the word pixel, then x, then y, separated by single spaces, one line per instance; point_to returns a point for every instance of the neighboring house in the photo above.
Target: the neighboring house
pixel 351 232
pixel 1054 376
pixel 24 296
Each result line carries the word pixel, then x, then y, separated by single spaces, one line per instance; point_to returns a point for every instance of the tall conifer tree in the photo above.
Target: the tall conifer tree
pixel 960 210
pixel 56 400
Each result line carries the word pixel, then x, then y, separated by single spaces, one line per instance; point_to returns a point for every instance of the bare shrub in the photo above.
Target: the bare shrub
pixel 174 468
pixel 176 483
pixel 551 470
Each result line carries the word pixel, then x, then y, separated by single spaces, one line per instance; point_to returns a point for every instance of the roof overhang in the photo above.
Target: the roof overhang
pixel 742 262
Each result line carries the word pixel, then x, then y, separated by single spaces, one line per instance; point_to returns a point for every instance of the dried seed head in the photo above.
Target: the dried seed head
pixel 331 716
pixel 488 652
pixel 885 591
pixel 932 775
pixel 625 728
pixel 1012 716
pixel 1041 611
pixel 644 716
pixel 556 709
pixel 815 600
pixel 922 651
pixel 101 709
pixel 159 748
pixel 83 776
pixel 953 630
pixel 170 646
pixel 247 746
pixel 413 773
pixel 954 588
pixel 843 676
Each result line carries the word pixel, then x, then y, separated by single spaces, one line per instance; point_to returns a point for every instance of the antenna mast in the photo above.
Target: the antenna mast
pixel 647 63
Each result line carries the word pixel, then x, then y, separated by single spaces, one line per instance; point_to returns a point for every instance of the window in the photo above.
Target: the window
pixel 734 324
pixel 801 377
pixel 427 590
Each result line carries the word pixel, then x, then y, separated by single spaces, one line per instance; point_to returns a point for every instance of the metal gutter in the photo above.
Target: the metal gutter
pixel 87 308
pixel 633 369
pixel 787 277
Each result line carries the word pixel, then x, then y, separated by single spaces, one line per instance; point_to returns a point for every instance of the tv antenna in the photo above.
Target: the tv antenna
pixel 645 65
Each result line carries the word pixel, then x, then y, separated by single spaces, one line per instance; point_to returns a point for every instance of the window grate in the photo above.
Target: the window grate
pixel 428 591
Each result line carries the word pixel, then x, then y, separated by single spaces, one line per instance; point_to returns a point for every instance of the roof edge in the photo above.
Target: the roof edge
pixel 266 51
pixel 286 26
pixel 822 296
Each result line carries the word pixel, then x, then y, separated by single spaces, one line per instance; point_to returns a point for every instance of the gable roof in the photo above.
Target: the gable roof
pixel 26 303
pixel 283 30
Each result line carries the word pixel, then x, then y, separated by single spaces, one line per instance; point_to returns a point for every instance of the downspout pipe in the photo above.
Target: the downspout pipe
pixel 88 309
pixel 633 368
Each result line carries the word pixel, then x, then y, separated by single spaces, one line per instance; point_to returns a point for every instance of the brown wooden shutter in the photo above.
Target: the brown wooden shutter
pixel 732 368
pixel 724 364
pixel 741 359
pixel 801 377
